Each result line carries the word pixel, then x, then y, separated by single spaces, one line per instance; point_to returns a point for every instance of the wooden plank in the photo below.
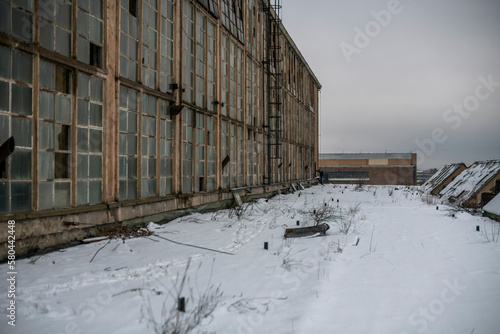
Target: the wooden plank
pixel 306 231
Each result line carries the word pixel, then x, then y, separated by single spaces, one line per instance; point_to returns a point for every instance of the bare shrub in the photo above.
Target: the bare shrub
pixel 321 214
pixel 430 199
pixel 493 233
pixel 351 219
pixel 199 306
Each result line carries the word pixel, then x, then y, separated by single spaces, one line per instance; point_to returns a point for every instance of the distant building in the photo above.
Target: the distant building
pixel 443 177
pixel 370 168
pixel 475 186
pixel 492 209
pixel 424 175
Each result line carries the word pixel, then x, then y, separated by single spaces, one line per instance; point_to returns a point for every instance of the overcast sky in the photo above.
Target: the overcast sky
pixel 404 76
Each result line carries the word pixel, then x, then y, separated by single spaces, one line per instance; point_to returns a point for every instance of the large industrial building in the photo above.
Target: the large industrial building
pixel 130 110
pixel 370 168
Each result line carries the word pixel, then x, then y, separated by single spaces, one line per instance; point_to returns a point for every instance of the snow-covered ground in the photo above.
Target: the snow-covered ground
pixel 415 269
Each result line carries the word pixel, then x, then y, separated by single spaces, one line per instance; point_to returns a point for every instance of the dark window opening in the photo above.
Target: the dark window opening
pixel 497 187
pixel 61 170
pixel 63 80
pixel 201 184
pixel 3 169
pixel 95 55
pixel 132 7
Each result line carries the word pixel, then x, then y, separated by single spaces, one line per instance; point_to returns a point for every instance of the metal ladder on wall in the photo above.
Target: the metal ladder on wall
pixel 273 127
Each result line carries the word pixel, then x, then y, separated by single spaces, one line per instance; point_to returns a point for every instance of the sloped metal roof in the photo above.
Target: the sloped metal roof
pixel 471 181
pixel 441 176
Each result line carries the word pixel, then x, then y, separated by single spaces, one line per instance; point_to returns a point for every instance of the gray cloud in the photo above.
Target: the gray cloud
pixel 396 91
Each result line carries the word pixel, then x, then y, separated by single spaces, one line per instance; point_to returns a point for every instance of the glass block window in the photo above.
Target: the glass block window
pixel 239 21
pixel 16 19
pixel 232 79
pixel 200 184
pixel 167 45
pixel 54 132
pixel 240 162
pixel 90 29
pixel 239 77
pixel 16 120
pixel 201 59
pixel 225 14
pixel 188 53
pixel 248 109
pixel 166 148
pixel 128 144
pixel 129 40
pixel 188 123
pixel 56 26
pixel 89 140
pixel 232 155
pixel 148 146
pixel 225 74
pixel 225 153
pixel 256 94
pixel 149 42
pixel 249 140
pixel 211 153
pixel 213 8
pixel 211 66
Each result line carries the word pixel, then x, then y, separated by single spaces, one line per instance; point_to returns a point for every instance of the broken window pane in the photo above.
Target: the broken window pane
pixel 21 99
pixel 63 137
pixel 63 80
pixel 61 170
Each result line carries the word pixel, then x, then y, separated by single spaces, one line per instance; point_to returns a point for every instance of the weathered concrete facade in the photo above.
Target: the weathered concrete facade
pixel 370 168
pixel 128 111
